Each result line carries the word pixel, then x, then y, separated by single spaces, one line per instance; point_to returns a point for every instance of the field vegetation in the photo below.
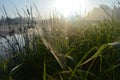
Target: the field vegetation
pixel 63 49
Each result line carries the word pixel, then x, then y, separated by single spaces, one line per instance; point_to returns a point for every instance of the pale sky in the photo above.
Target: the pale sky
pixel 45 6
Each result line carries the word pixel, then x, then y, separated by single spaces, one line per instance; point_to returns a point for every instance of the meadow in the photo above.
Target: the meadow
pixel 63 49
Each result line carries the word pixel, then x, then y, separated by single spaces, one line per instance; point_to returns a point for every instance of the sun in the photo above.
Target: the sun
pixel 70 7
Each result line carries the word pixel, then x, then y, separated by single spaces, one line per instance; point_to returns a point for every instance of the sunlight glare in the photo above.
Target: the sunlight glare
pixel 69 7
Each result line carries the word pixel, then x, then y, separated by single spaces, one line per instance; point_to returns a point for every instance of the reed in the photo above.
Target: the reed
pixel 62 49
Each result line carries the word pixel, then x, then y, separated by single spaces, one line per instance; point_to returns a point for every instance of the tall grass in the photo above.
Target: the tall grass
pixel 61 49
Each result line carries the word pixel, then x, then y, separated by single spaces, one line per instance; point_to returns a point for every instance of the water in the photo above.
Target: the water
pixel 15 41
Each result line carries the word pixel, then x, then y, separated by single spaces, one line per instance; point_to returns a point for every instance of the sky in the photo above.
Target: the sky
pixel 46 6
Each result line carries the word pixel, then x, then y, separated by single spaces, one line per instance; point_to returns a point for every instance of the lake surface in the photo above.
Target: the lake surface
pixel 8 41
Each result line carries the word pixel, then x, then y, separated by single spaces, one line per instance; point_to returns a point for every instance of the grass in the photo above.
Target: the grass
pixel 60 49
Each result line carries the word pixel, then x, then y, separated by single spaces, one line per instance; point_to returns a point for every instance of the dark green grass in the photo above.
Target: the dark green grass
pixel 66 50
